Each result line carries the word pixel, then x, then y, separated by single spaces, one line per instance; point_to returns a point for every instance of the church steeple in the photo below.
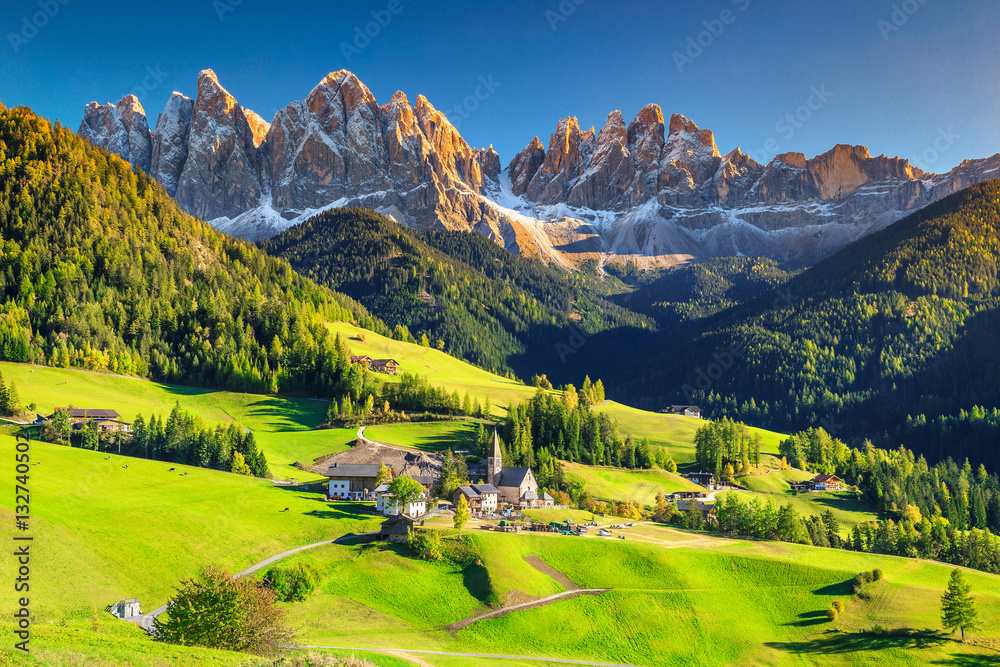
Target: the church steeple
pixel 494 462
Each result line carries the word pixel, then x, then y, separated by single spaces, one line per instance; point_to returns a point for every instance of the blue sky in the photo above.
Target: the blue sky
pixel 915 78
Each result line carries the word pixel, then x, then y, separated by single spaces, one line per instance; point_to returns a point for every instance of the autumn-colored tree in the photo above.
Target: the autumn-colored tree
pixel 461 514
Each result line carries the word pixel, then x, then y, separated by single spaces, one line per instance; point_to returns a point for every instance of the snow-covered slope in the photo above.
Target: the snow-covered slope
pixel 655 192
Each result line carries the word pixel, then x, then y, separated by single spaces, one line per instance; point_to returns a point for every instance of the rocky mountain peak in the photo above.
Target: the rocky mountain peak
pixel 121 129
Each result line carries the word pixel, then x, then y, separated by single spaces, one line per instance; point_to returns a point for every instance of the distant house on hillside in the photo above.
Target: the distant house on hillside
pixel 353 482
pixel 683 410
pixel 387 366
pixel 365 359
pixel 825 483
pixel 108 421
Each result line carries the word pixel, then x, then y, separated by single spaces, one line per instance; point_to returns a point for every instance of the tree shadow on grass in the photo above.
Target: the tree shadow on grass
pixel 843 588
pixel 810 618
pixel 477 581
pixel 833 642
pixel 969 660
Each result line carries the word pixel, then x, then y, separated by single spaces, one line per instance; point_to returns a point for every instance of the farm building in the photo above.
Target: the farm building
pixel 387 366
pixel 683 410
pixel 126 608
pixel 352 482
pixel 705 479
pixel 481 497
pixel 707 510
pixel 397 529
pixel 364 359
pixel 108 421
pixel 385 503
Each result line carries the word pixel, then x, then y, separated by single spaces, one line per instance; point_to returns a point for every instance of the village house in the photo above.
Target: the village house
pixel 707 509
pixel 683 410
pixel 481 497
pixel 386 504
pixel 387 366
pixel 352 482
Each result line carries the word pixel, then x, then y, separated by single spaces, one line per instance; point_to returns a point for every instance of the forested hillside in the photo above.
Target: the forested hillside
pixel 698 290
pixel 902 323
pixel 100 269
pixel 503 312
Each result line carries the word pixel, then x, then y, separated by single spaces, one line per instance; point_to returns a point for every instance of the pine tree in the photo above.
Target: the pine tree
pixel 958 609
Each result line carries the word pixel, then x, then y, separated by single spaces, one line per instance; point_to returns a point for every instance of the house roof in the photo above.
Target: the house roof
pixel 382 362
pixel 684 407
pixel 381 488
pixel 513 476
pixel 91 413
pixel 467 491
pixel 818 479
pixel 399 518
pixel 341 470
pixel 546 496
pixel 530 495
pixel 485 488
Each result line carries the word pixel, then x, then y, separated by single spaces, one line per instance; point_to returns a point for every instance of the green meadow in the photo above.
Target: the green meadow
pixel 637 486
pixel 106 532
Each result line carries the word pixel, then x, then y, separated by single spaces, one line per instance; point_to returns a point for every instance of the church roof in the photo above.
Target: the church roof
pixel 513 476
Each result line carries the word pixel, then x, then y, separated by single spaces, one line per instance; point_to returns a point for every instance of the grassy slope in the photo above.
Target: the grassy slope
pixel 737 602
pixel 640 486
pixel 672 431
pixel 427 436
pixel 111 533
pixel 439 368
pixel 282 426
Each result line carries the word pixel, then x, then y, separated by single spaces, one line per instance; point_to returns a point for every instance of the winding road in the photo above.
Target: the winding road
pixel 146 620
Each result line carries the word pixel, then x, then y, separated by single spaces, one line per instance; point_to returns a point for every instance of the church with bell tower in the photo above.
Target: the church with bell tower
pixel 517 486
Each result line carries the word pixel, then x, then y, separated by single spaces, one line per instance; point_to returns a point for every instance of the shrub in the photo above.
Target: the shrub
pixel 220 611
pixel 876 574
pixel 425 544
pixel 832 613
pixel 838 605
pixel 292 584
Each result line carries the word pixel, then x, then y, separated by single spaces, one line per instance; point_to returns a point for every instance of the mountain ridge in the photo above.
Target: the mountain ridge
pixel 655 192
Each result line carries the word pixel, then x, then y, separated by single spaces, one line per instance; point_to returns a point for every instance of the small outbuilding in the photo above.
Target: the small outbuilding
pixel 397 529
